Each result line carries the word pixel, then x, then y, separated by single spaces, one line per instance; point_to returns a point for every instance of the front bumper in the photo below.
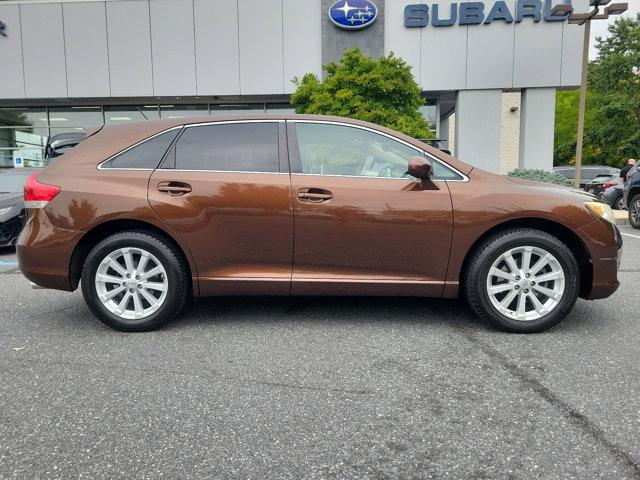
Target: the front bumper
pixel 604 243
pixel 10 229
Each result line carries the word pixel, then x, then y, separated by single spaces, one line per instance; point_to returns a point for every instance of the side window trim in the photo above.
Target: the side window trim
pixel 283 161
pixel 296 163
pixel 102 165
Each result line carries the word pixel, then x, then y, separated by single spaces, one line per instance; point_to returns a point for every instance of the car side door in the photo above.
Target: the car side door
pixel 362 225
pixel 224 189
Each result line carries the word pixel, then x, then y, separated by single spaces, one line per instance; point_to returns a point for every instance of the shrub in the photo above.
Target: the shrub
pixel 539 176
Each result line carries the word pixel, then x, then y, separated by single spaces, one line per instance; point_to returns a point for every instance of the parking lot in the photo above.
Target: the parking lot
pixel 318 388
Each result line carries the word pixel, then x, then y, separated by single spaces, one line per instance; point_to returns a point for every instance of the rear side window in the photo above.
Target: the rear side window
pixel 236 147
pixel 147 154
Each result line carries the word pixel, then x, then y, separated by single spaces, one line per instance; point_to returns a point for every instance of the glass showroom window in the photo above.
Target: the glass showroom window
pixel 23 133
pixel 181 111
pixel 130 113
pixel 280 108
pixel 237 109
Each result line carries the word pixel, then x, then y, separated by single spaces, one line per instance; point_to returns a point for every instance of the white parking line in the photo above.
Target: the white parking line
pixel 629 235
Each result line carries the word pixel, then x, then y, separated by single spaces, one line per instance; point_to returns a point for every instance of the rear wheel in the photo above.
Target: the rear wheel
pixel 618 203
pixel 134 281
pixel 634 211
pixel 522 280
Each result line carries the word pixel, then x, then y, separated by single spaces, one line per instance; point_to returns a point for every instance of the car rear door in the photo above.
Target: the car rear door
pixel 361 225
pixel 224 189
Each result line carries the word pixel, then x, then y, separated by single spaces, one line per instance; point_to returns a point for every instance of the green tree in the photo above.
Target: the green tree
pixel 381 91
pixel 612 121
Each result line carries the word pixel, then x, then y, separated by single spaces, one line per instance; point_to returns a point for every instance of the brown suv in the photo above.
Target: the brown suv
pixel 146 215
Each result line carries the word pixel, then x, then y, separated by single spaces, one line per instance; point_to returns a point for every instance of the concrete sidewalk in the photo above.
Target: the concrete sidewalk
pixel 622 217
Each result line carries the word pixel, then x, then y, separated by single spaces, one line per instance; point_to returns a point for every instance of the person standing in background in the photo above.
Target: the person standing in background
pixel 630 164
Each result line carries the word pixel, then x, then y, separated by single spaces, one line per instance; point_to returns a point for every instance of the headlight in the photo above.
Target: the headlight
pixel 601 210
pixel 4 210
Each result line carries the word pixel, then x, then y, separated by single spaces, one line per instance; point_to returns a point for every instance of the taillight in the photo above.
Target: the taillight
pixel 608 184
pixel 37 194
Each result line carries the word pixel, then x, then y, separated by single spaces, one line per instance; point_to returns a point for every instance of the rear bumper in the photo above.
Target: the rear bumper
pixel 44 252
pixel 605 247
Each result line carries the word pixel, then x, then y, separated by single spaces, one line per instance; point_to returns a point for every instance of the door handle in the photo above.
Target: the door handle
pixel 174 188
pixel 314 195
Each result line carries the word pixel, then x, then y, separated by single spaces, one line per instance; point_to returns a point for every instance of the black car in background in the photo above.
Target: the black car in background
pixel 12 212
pixel 587 172
pixel 614 196
pixel 632 196
pixel 599 184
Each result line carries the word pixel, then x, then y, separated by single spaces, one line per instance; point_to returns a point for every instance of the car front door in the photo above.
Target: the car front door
pixel 362 226
pixel 224 189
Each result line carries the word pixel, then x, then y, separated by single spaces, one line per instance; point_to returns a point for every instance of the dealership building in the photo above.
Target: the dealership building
pixel 489 70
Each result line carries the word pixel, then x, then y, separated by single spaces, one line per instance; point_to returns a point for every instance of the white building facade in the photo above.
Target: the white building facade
pixel 73 64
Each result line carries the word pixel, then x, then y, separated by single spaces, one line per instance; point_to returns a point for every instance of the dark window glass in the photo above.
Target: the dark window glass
pixel 241 147
pixel 148 154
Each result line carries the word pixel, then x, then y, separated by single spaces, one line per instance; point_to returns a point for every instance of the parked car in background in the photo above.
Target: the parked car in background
pixel 12 212
pixel 603 181
pixel 632 196
pixel 144 216
pixel 58 144
pixel 614 195
pixel 587 172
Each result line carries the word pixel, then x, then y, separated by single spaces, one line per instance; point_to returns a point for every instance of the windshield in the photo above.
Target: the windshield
pixel 13 180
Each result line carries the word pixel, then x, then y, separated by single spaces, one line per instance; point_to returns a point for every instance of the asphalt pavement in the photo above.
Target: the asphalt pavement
pixel 318 388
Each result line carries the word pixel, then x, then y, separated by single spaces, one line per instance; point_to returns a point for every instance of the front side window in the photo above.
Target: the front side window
pixel 147 154
pixel 237 147
pixel 327 149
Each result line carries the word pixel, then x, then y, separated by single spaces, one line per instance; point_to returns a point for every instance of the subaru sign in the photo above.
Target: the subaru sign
pixel 475 13
pixel 353 14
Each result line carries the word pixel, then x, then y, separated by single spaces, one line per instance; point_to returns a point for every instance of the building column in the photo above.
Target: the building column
pixel 537 123
pixel 478 118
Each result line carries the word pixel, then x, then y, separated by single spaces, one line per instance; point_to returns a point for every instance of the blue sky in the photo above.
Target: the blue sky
pixel 599 27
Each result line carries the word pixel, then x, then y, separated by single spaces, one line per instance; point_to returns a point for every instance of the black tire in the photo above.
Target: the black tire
pixel 176 275
pixel 634 211
pixel 483 257
pixel 618 203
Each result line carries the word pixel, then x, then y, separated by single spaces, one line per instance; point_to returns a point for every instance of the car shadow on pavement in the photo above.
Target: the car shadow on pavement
pixel 321 309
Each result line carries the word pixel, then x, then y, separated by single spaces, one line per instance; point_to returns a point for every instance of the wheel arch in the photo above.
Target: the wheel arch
pixel 561 232
pixel 103 230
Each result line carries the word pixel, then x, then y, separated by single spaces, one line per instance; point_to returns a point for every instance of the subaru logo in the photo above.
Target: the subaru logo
pixel 353 14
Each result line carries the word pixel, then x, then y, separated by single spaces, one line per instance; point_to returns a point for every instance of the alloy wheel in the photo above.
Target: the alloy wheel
pixel 634 212
pixel 131 283
pixel 525 283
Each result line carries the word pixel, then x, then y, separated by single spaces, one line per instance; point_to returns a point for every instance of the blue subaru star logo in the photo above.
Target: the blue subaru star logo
pixel 353 14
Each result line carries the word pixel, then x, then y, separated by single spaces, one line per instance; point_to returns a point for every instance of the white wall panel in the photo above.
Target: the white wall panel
pixel 443 54
pixel 302 42
pixel 85 37
pixel 572 36
pixel 43 50
pixel 537 59
pixel 216 33
pixel 404 42
pixel 261 56
pixel 173 47
pixel 129 38
pixel 12 83
pixel 538 110
pixel 490 52
pixel 478 122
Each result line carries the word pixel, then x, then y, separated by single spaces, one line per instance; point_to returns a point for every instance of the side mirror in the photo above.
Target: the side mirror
pixel 421 168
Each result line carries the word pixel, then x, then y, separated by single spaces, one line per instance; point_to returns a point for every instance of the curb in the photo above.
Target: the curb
pixel 622 217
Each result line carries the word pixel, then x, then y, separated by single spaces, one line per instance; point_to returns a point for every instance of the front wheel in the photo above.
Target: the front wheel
pixel 634 211
pixel 522 280
pixel 134 281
